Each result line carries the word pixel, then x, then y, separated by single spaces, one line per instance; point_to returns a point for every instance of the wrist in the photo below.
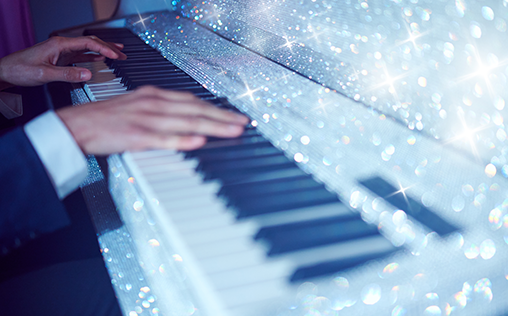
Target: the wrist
pixel 3 83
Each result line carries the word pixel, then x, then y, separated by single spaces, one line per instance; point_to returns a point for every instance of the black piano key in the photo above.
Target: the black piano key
pixel 250 175
pixel 112 63
pixel 246 134
pixel 331 267
pixel 194 89
pixel 233 144
pixel 218 166
pixel 398 198
pixel 315 233
pixel 283 202
pixel 127 73
pixel 266 176
pixel 128 64
pixel 177 81
pixel 230 174
pixel 124 70
pixel 143 53
pixel 233 153
pixel 138 61
pixel 137 49
pixel 221 102
pixel 146 54
pixel 172 74
pixel 237 143
pixel 240 191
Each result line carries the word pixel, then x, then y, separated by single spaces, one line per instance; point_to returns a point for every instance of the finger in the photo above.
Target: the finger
pixel 169 95
pixel 117 45
pixel 194 107
pixel 83 58
pixel 178 142
pixel 67 74
pixel 187 104
pixel 94 44
pixel 190 125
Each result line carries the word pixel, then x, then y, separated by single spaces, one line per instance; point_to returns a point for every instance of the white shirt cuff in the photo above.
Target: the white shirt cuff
pixel 63 159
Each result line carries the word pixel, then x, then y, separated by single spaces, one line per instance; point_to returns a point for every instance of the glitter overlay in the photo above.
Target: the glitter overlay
pixel 409 93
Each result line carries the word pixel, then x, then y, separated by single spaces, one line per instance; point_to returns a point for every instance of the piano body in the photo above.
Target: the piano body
pixel 371 182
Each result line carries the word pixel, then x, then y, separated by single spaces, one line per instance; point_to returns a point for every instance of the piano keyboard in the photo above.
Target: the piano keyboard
pixel 250 217
pixel 252 227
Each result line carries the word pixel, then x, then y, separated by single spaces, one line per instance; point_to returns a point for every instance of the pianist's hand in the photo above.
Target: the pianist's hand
pixel 46 62
pixel 148 118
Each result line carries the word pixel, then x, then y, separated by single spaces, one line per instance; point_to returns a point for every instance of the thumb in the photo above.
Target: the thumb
pixel 67 74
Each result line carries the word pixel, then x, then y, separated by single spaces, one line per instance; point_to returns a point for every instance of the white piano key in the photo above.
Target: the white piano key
pixel 186 164
pixel 186 214
pixel 193 180
pixel 239 230
pixel 104 79
pixel 168 177
pixel 303 214
pixel 222 247
pixel 205 223
pixel 251 275
pixel 188 202
pixel 107 90
pixel 107 97
pixel 262 307
pixel 162 155
pixel 189 191
pixel 367 245
pixel 253 293
pixel 248 258
pixel 139 156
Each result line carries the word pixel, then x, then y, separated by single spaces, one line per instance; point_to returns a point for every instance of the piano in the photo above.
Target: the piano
pixel 371 180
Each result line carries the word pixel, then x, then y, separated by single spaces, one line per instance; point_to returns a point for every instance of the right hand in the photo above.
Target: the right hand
pixel 149 118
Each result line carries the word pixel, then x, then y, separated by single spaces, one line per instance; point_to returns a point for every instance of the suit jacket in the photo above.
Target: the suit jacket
pixel 29 205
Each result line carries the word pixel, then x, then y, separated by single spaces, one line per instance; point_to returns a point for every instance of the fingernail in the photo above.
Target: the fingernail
pixel 243 118
pixel 234 128
pixel 83 75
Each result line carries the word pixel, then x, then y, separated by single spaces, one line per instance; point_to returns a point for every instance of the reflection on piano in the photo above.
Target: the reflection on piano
pixel 324 206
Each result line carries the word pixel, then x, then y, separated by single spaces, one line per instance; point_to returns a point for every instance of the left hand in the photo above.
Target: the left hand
pixel 48 61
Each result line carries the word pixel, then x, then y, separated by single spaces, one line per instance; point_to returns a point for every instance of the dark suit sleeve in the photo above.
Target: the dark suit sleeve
pixel 29 205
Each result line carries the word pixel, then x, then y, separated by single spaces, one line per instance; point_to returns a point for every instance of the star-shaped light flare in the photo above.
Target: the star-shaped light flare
pixel 289 44
pixel 413 36
pixel 248 93
pixel 403 191
pixel 141 19
pixel 482 70
pixel 389 81
pixel 468 135
pixel 214 14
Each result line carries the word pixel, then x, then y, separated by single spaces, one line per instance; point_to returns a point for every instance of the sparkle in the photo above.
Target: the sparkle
pixel 403 191
pixel 468 135
pixel 412 37
pixel 249 93
pixel 141 19
pixel 289 44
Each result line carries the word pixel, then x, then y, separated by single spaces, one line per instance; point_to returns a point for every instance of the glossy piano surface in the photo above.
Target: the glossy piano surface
pixel 396 107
